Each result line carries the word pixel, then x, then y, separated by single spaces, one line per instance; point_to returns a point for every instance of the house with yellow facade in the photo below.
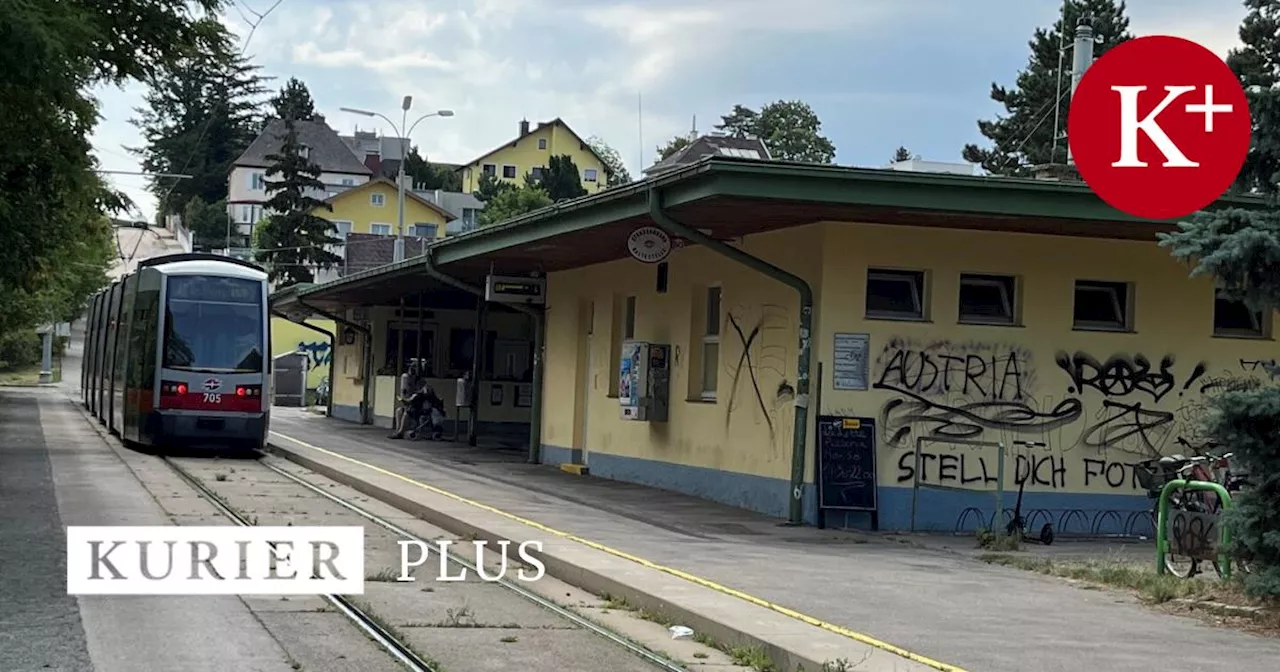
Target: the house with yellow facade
pixel 864 347
pixel 530 153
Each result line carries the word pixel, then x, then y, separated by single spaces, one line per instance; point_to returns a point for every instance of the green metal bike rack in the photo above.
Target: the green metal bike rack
pixel 1162 521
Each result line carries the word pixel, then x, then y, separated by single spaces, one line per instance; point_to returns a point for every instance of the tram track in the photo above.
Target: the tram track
pixel 370 624
pixel 360 618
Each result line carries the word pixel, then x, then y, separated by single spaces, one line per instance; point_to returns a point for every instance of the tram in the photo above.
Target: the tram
pixel 177 354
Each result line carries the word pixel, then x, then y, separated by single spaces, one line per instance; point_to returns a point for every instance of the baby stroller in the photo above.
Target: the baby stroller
pixel 425 415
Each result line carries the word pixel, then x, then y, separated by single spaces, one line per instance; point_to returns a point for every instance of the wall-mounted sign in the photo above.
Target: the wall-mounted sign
pixel 514 289
pixel 649 244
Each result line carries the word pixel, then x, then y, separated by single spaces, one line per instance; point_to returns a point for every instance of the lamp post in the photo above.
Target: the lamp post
pixel 404 154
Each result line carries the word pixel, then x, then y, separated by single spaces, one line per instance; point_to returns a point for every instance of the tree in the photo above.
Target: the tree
pixel 561 179
pixel 56 241
pixel 200 116
pixel 490 187
pixel 429 175
pixel 1240 249
pixel 673 145
pixel 207 222
pixel 903 154
pixel 1257 64
pixel 294 101
pixel 789 128
pixel 1024 136
pixel 513 202
pixel 294 237
pixel 618 173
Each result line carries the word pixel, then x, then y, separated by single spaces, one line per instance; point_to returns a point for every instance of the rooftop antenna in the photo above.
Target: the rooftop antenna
pixel 693 133
pixel 1057 91
pixel 1082 58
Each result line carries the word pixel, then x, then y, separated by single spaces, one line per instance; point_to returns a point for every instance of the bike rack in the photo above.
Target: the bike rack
pixel 1162 521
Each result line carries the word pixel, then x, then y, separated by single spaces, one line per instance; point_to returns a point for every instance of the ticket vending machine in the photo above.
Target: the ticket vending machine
pixel 644 381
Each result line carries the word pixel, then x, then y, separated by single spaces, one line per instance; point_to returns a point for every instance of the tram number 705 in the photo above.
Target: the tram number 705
pixel 212 398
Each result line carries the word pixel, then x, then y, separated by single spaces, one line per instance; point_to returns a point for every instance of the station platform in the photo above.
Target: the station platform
pixel 942 606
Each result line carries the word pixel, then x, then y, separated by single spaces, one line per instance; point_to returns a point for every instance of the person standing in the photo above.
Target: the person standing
pixel 407 388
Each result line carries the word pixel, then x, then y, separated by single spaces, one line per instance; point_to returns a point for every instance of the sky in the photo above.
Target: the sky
pixel 879 73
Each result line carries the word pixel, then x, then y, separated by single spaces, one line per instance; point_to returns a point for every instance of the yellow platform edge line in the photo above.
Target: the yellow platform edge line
pixel 706 583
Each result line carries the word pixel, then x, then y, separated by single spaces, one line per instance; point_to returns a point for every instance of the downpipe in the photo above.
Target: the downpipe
pixel 366 412
pixel 539 343
pixel 799 436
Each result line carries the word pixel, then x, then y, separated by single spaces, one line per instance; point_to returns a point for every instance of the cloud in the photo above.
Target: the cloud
pixel 879 72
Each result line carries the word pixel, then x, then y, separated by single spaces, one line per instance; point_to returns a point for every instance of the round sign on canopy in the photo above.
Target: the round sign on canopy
pixel 649 244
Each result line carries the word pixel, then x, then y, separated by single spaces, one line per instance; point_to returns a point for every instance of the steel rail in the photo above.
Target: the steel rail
pixel 366 623
pixel 650 656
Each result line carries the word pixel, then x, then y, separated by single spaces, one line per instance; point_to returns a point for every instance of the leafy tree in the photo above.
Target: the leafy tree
pixel 56 241
pixel 903 154
pixel 1257 64
pixel 429 175
pixel 560 179
pixel 673 145
pixel 294 101
pixel 618 173
pixel 200 116
pixel 207 222
pixel 1240 249
pixel 294 238
pixel 1024 135
pixel 789 128
pixel 513 202
pixel 491 187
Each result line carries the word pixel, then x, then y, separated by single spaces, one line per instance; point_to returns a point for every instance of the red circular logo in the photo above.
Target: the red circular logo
pixel 1159 127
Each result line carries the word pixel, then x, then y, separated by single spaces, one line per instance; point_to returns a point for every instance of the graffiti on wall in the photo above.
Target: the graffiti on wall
pixel 755 350
pixel 318 352
pixel 1112 413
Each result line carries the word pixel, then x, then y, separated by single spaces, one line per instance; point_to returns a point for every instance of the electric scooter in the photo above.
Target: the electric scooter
pixel 1018 525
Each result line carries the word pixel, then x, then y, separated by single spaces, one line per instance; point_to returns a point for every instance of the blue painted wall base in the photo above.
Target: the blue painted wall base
pixel 938 510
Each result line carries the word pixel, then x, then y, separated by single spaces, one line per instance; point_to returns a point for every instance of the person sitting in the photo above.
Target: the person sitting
pixel 427 404
pixel 409 382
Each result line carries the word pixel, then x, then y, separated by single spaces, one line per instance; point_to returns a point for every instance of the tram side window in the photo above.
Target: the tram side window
pixel 214 324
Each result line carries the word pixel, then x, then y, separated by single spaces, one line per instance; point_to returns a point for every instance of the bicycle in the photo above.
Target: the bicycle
pixel 1154 474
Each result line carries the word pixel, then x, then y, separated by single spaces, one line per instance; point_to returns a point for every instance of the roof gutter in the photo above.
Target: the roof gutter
pixel 799 433
pixel 539 339
pixel 366 409
pixel 328 403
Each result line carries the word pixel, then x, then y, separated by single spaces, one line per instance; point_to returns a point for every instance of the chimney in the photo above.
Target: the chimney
pixel 1081 59
pixel 524 127
pixel 373 161
pixel 318 117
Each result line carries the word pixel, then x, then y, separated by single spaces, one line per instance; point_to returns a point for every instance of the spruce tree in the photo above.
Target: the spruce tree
pixel 1023 136
pixel 294 239
pixel 294 101
pixel 1240 249
pixel 902 154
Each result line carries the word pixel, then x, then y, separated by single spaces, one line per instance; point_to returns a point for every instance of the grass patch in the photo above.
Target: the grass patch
pixel 509 639
pixel 26 376
pixel 753 657
pixel 998 542
pixel 383 576
pixel 395 633
pixel 1149 586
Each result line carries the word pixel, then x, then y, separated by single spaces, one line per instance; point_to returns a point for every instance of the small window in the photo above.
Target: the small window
pixel 542 143
pixel 343 228
pixel 304 151
pixel 489 169
pixel 348 182
pixel 987 299
pixel 258 181
pixel 711 345
pixel 377 200
pixel 425 231
pixel 509 172
pixel 589 175
pixel 1101 305
pixel 629 319
pixel 380 229
pixel 537 172
pixel 895 295
pixel 1233 318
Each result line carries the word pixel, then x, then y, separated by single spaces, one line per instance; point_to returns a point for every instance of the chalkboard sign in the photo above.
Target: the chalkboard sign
pixel 846 463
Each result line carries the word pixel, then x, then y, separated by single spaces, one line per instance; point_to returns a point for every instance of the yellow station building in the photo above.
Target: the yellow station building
pixel 911 328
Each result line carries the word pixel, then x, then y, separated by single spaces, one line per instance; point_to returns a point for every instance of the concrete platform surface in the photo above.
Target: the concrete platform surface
pixel 935 602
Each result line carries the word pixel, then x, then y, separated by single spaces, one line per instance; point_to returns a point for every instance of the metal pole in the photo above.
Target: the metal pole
pixel 999 489
pixel 399 253
pixel 477 364
pixel 915 484
pixel 535 413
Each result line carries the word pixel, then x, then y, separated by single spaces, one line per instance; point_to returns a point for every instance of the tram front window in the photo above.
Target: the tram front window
pixel 213 325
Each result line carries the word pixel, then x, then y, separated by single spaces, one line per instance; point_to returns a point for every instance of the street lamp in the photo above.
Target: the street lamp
pixel 404 153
